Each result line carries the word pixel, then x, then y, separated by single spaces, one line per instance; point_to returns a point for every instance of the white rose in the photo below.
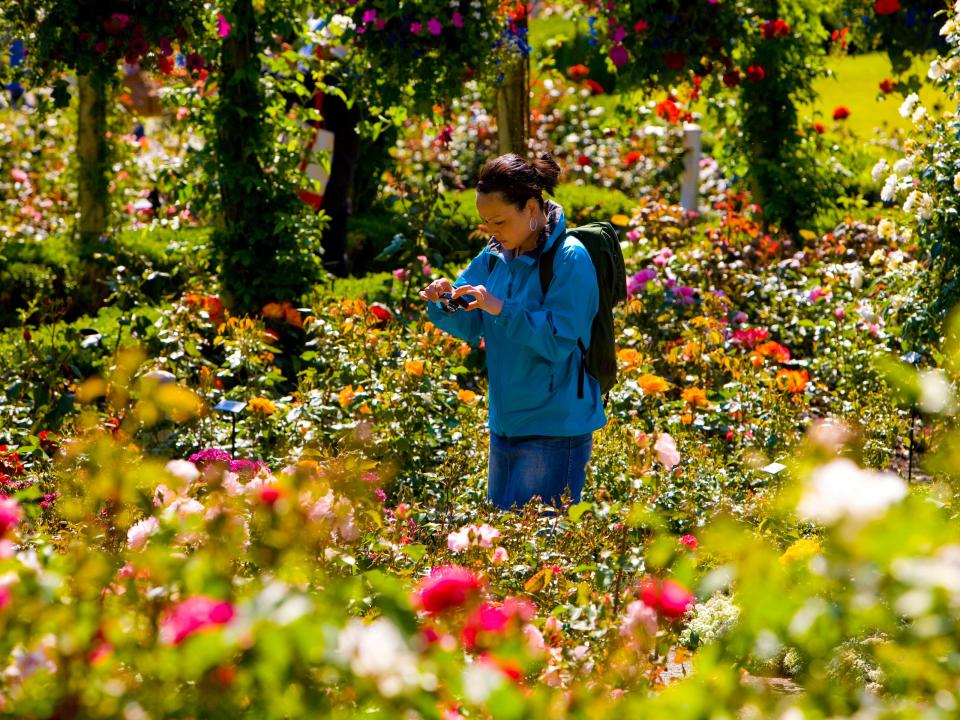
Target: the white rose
pixel 935 71
pixel 906 108
pixel 903 166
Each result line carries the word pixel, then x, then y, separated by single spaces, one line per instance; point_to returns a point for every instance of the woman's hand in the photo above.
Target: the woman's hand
pixel 483 299
pixel 433 291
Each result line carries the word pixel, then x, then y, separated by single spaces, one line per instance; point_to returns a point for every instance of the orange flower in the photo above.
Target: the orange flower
pixel 775 350
pixel 793 381
pixel 414 367
pixel 467 396
pixel 293 317
pixel 274 311
pixel 346 396
pixel 653 384
pixel 695 397
pixel 261 406
pixel 629 357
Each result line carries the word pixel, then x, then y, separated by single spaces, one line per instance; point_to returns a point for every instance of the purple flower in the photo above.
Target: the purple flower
pixel 619 55
pixel 166 49
pixel 638 282
pixel 619 34
pixel 435 26
pixel 739 317
pixel 209 457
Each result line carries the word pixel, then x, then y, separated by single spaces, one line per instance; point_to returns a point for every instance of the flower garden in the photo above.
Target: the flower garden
pixel 233 481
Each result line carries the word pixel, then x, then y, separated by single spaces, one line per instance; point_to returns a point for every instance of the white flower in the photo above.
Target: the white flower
pixel 918 114
pixel 949 27
pixel 935 71
pixel 903 166
pixel 879 169
pixel 184 470
pixel 940 571
pixel 480 679
pixel 906 109
pixel 842 490
pixel 890 187
pixel 710 620
pixel 378 651
pixel 936 393
pixel 138 535
pixel 956 182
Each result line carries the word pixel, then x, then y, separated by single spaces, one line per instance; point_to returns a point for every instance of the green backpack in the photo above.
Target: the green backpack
pixel 601 241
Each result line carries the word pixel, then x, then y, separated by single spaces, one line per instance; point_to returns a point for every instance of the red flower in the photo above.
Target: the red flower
pixel 166 64
pixel 583 161
pixel 446 587
pixel 689 541
pixel 380 312
pixel 668 110
pixel 887 86
pixel 750 336
pixel 731 78
pixel 841 113
pixel 632 157
pixel 886 7
pixel 674 60
pixel 775 28
pixel 640 25
pixel 774 350
pixel 756 73
pixel 668 597
pixel 593 86
pixel 819 128
pixel 578 72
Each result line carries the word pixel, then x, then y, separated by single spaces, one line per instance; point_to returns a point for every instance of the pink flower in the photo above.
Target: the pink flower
pixel 446 587
pixel 619 55
pixel 456 20
pixel 115 23
pixel 476 535
pixel 666 449
pixel 668 597
pixel 194 614
pixel 817 293
pixel 19 176
pixel 494 618
pixel 5 596
pixel 138 535
pixel 689 541
pixel 638 616
pixel 10 514
pixel 369 16
pixel 415 28
pixel 434 26
pixel 662 258
pixel 402 274
pixel 223 27
pixel 500 555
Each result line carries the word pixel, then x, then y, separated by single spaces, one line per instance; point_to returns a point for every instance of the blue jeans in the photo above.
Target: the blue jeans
pixel 522 467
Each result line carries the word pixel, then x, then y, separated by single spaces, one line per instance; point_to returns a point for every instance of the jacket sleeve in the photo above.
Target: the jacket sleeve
pixel 464 324
pixel 571 302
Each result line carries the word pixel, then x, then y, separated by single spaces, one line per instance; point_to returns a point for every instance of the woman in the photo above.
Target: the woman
pixel 541 433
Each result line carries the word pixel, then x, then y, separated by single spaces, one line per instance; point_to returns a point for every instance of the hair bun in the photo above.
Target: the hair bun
pixel 548 171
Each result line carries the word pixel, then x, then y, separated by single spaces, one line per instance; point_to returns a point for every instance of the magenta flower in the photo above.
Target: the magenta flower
pixel 435 26
pixel 115 23
pixel 457 19
pixel 638 283
pixel 223 27
pixel 619 55
pixel 194 614
pixel 415 28
pixel 619 34
pixel 369 16
pixel 10 514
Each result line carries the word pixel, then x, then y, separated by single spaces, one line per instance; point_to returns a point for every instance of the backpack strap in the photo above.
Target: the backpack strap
pixel 546 275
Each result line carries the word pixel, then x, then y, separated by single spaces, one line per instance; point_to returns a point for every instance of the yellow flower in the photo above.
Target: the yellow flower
pixel 261 406
pixel 803 549
pixel 653 384
pixel 695 397
pixel 414 367
pixel 621 220
pixel 467 396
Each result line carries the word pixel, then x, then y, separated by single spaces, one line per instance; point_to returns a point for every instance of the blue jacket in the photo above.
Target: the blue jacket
pixel 533 361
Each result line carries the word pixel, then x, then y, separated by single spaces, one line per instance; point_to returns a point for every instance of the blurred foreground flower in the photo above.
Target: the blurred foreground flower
pixel 193 615
pixel 446 587
pixel 840 489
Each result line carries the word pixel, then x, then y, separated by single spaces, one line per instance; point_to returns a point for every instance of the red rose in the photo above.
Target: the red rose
pixel 583 161
pixel 756 73
pixel 674 60
pixel 640 25
pixel 446 587
pixel 886 7
pixel 632 157
pixel 593 86
pixel 578 72
pixel 731 78
pixel 819 128
pixel 887 86
pixel 841 113
pixel 775 28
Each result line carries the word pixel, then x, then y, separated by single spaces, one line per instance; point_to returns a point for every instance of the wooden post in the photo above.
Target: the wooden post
pixel 513 104
pixel 92 195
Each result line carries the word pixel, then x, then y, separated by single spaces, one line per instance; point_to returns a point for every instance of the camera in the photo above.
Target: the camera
pixel 450 304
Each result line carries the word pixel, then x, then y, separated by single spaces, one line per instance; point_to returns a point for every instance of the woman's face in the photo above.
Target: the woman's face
pixel 506 222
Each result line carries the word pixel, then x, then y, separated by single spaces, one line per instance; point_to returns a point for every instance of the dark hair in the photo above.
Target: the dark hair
pixel 519 180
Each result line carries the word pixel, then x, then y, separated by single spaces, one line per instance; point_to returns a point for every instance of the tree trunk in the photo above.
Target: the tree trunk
pixel 513 106
pixel 92 153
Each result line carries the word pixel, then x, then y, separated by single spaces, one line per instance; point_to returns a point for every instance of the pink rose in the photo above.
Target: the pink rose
pixel 666 449
pixel 193 615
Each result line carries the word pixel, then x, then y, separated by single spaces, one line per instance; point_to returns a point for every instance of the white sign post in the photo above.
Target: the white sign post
pixel 690 185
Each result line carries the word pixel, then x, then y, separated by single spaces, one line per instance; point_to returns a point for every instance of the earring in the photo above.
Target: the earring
pixel 532 225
